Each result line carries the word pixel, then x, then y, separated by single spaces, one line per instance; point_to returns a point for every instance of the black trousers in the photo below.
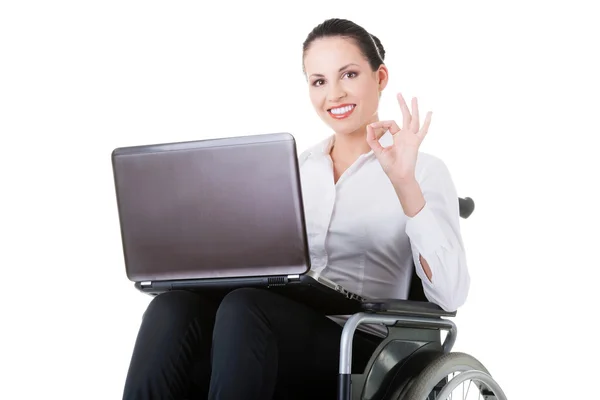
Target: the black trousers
pixel 251 344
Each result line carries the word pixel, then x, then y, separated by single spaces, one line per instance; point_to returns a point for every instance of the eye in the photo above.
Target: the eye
pixel 350 74
pixel 318 82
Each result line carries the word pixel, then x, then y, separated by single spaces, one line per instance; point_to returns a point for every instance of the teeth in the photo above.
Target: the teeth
pixel 341 110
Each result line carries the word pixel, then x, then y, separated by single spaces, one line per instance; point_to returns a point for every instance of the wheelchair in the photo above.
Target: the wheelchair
pixel 412 363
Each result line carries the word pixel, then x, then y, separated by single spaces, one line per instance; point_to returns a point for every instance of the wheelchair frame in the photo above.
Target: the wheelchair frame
pixel 407 336
pixel 413 341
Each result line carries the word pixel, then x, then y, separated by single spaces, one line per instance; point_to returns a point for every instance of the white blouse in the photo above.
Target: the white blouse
pixel 360 238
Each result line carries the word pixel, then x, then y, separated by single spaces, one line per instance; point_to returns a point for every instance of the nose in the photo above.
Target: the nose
pixel 336 93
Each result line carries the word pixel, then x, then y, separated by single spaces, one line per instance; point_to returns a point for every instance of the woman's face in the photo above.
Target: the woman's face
pixel 343 89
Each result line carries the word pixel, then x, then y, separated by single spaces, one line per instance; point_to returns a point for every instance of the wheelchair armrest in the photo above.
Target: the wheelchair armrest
pixel 405 307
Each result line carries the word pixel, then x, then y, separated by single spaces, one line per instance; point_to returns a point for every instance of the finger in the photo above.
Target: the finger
pixel 414 123
pixel 391 125
pixel 423 131
pixel 373 141
pixel 405 112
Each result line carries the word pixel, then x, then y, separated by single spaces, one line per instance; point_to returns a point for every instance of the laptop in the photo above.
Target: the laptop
pixel 219 214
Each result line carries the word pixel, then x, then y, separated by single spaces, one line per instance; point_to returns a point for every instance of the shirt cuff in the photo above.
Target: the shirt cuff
pixel 425 233
pixel 426 238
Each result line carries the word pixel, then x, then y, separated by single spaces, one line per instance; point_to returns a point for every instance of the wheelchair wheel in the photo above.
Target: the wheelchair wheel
pixel 454 376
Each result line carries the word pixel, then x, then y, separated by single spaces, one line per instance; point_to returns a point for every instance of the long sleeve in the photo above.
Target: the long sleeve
pixel 435 235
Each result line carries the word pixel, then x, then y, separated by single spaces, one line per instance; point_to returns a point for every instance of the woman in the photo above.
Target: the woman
pixel 374 205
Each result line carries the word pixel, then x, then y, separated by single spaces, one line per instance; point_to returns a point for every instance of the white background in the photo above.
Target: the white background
pixel 514 90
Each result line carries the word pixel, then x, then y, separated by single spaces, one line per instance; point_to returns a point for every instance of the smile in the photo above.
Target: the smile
pixel 342 112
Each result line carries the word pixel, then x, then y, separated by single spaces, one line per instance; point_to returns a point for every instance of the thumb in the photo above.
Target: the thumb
pixel 373 141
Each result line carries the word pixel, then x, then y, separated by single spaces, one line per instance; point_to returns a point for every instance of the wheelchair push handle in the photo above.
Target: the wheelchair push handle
pixel 466 206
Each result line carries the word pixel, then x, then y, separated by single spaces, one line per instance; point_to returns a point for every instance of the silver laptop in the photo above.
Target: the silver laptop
pixel 218 214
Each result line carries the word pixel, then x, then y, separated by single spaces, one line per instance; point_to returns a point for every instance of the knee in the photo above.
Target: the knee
pixel 241 302
pixel 173 305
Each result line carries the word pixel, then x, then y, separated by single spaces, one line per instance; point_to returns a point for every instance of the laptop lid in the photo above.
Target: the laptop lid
pixel 218 208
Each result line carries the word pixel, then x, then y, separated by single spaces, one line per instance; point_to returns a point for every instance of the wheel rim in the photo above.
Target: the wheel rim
pixel 469 385
pixel 454 376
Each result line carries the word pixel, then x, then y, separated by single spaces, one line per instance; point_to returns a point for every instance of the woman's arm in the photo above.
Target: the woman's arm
pixel 431 204
pixel 429 199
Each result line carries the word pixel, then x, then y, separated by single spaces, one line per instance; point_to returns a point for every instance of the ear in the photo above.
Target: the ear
pixel 382 75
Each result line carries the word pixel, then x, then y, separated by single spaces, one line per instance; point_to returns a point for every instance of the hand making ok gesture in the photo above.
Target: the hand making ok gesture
pixel 399 159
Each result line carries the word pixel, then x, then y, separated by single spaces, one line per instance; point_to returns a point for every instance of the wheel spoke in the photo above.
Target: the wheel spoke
pixel 441 378
pixel 469 387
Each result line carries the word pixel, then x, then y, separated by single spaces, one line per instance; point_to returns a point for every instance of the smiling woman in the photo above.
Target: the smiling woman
pixel 345 67
pixel 372 213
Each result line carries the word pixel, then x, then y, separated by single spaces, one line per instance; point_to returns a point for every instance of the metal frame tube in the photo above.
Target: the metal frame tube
pixel 345 366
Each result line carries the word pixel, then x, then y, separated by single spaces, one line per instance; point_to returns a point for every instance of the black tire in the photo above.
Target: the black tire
pixel 439 369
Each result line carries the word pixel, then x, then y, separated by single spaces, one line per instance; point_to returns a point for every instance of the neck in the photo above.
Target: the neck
pixel 348 147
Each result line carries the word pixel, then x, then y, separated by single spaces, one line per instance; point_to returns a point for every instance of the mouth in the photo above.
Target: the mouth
pixel 342 111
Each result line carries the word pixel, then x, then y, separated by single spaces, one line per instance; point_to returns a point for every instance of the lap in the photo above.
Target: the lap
pixel 308 342
pixel 299 330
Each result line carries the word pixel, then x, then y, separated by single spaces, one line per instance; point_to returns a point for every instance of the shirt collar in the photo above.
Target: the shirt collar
pixel 324 147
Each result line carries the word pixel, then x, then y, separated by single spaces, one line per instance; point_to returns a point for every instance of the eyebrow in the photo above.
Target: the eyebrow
pixel 340 70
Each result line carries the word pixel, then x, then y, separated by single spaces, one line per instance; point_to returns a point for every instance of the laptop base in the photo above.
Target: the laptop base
pixel 304 289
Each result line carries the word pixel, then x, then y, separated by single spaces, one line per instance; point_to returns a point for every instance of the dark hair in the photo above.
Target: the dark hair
pixel 369 45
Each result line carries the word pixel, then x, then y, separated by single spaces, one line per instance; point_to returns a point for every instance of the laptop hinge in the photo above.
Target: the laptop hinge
pixel 145 284
pixel 293 278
